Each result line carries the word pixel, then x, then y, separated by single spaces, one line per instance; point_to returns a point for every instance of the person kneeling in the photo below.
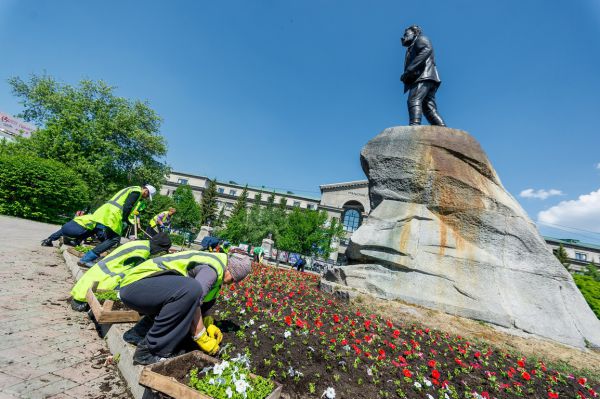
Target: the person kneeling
pixel 170 291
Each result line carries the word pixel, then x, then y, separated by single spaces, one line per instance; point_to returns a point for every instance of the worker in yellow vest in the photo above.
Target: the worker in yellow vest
pixel 160 222
pixel 110 217
pixel 74 231
pixel 109 271
pixel 174 291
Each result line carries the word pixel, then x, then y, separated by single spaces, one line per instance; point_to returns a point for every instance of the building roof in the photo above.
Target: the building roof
pixel 355 183
pixel 573 243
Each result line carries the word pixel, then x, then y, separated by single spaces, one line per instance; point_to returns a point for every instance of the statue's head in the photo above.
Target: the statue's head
pixel 410 34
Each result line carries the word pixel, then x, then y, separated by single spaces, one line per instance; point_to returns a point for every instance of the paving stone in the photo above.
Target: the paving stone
pixel 46 349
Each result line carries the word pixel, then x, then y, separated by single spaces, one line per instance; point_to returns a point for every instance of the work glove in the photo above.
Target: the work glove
pixel 214 332
pixel 206 343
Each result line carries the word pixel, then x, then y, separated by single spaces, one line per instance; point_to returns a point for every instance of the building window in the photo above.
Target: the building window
pixel 232 192
pixel 580 256
pixel 182 181
pixel 228 206
pixel 351 220
pixel 221 190
pixel 310 206
pixel 296 203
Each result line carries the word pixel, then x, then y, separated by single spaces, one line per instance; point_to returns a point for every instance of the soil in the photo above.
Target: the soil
pixel 552 352
pixel 117 305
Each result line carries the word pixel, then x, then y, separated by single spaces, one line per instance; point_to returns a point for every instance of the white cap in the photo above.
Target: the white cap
pixel 151 190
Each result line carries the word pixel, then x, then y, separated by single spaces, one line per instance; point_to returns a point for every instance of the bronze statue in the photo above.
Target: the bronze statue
pixel 420 77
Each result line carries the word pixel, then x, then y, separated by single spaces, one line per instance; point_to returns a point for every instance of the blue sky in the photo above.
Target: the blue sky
pixel 285 93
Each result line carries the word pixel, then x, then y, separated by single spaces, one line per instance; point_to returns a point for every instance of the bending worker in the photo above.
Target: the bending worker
pixel 110 270
pixel 74 231
pixel 171 290
pixel 110 217
pixel 160 222
pixel 259 252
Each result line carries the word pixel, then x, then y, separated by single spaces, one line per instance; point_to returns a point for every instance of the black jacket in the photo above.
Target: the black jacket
pixel 419 63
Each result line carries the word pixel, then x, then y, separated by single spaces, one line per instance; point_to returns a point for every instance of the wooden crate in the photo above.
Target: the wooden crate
pixel 104 313
pixel 75 252
pixel 156 376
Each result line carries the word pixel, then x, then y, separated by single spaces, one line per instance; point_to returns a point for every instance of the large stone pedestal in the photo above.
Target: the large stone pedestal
pixel 444 233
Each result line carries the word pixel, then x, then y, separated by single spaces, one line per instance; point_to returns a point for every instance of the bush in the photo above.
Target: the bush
pixel 590 290
pixel 39 189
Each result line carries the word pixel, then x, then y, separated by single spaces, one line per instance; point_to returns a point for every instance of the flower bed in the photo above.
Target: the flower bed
pixel 317 346
pixel 196 375
pixel 107 308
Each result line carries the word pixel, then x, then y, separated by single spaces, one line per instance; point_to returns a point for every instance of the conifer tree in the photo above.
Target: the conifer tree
pixel 208 205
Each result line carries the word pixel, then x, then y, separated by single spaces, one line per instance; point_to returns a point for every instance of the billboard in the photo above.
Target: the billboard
pixel 14 126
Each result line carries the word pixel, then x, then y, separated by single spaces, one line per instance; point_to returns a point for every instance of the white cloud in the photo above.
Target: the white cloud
pixel 582 213
pixel 540 194
pixel 598 165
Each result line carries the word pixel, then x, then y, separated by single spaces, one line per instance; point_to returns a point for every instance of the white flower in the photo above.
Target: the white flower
pixel 242 311
pixel 430 397
pixel 229 392
pixel 211 381
pixel 287 334
pixel 369 372
pixel 426 382
pixel 329 393
pixel 241 386
pixel 446 396
pixel 219 368
pixel 417 385
pixel 251 322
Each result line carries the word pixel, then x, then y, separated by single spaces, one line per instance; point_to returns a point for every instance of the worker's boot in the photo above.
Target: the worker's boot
pixel 143 356
pixel 47 243
pixel 414 114
pixel 79 306
pixel 69 241
pixel 137 333
pixel 88 259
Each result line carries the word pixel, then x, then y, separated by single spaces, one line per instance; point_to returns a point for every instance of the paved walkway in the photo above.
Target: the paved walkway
pixel 46 349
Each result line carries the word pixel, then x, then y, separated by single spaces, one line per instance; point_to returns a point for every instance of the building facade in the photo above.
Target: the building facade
pixel 580 254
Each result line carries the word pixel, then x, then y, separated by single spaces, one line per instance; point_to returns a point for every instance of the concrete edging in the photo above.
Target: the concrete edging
pixel 122 351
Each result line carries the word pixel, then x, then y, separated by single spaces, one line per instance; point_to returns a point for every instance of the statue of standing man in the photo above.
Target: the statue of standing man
pixel 420 77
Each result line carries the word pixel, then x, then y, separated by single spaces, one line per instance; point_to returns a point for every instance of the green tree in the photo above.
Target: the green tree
pixel 590 289
pixel 187 217
pixel 208 204
pixel 236 229
pixel 256 231
pixel 220 218
pixel 562 256
pixel 308 232
pixel 40 189
pixel 592 270
pixel 109 141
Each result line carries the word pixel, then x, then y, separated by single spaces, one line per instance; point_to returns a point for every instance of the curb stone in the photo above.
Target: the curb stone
pixel 120 349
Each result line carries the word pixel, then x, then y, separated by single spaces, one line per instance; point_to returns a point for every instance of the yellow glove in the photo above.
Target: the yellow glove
pixel 208 321
pixel 206 343
pixel 214 332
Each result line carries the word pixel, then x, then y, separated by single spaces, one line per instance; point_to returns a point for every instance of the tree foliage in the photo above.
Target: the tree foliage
pixel 187 218
pixel 208 204
pixel 110 141
pixel 308 232
pixel 561 255
pixel 158 204
pixel 236 229
pixel 40 189
pixel 590 289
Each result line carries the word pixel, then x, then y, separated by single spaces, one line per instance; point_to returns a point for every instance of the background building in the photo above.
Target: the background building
pixel 11 127
pixel 580 253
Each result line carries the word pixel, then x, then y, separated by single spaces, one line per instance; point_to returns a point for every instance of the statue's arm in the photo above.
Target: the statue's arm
pixel 424 50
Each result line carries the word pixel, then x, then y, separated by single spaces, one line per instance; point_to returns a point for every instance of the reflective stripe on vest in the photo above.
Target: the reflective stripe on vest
pixel 110 214
pixel 110 270
pixel 169 262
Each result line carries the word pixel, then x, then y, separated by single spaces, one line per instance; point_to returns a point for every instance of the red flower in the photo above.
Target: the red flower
pixel 299 323
pixel 582 381
pixel 344 342
pixel 336 318
pixel 526 376
pixel 396 333
pixel 458 361
pixel 435 374
pixel 407 373
pixel 431 363
pixel 521 363
pixel 389 324
pixel 485 394
pixel 367 324
pixel 288 320
pixel 477 354
pixel 552 395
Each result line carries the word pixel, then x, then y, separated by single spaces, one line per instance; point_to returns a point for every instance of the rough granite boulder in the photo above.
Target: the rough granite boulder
pixel 444 233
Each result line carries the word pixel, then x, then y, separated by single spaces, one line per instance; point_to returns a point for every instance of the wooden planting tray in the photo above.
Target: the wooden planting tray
pixel 104 313
pixel 75 252
pixel 165 376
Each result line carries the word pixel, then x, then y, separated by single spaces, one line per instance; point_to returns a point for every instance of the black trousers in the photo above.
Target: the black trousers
pixel 109 239
pixel 72 230
pixel 421 99
pixel 151 231
pixel 171 300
